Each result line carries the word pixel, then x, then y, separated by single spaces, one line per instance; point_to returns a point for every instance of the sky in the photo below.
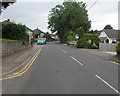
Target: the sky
pixel 34 13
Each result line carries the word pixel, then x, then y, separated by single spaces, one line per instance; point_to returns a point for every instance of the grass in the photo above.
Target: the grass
pixel 9 40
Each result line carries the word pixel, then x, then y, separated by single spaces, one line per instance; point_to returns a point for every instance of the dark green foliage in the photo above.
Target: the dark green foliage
pixel 47 36
pixel 68 16
pixel 70 36
pixel 80 31
pixel 108 27
pixel 118 48
pixel 36 35
pixel 88 41
pixel 14 31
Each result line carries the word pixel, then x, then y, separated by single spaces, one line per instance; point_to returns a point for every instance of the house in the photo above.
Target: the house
pixel 109 36
pixel 30 33
pixel 54 36
pixel 28 30
pixel 36 31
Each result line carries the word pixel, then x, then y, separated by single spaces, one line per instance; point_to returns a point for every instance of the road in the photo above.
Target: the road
pixel 60 69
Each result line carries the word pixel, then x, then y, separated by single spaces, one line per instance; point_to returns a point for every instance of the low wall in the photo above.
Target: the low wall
pixel 9 48
pixel 110 47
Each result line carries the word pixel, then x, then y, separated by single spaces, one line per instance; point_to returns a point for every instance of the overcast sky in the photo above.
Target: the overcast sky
pixel 34 13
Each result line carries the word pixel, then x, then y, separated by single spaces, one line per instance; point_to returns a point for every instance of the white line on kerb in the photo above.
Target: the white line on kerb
pixel 76 60
pixel 107 84
pixel 64 51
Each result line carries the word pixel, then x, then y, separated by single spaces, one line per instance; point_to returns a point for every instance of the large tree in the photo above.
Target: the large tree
pixel 68 16
pixel 5 3
pixel 108 27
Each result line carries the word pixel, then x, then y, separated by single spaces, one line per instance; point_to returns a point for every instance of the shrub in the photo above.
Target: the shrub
pixel 88 41
pixel 118 48
pixel 14 31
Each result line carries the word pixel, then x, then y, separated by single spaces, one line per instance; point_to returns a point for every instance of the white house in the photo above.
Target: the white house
pixel 30 33
pixel 109 35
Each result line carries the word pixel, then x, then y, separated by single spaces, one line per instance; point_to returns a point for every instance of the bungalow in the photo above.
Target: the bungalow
pixel 109 36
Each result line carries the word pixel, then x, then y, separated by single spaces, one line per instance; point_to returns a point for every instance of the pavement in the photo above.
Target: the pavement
pixel 18 59
pixel 107 55
pixel 60 69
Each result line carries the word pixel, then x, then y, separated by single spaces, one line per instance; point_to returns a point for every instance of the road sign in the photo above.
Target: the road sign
pixel 77 36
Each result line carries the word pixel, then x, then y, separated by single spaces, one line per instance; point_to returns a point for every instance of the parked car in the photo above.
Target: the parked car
pixel 41 41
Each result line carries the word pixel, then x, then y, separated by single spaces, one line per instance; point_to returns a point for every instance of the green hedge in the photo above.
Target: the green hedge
pixel 90 41
pixel 118 48
pixel 14 31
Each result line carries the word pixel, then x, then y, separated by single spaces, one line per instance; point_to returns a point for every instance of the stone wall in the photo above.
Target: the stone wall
pixel 9 48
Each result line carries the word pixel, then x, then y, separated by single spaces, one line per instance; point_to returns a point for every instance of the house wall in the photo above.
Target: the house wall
pixel 110 47
pixel 41 35
pixel 30 36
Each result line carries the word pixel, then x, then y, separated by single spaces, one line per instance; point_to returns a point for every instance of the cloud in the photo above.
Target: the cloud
pixel 35 14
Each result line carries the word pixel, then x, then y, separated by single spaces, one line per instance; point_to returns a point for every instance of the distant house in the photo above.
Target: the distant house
pixel 30 33
pixel 54 36
pixel 39 31
pixel 28 30
pixel 109 35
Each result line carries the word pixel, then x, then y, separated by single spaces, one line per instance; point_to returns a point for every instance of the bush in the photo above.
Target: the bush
pixel 81 43
pixel 14 31
pixel 118 48
pixel 90 41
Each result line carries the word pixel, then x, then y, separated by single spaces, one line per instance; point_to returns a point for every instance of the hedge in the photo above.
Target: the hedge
pixel 14 31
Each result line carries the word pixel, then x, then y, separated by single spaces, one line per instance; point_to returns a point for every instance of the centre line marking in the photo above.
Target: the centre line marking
pixel 107 84
pixel 76 60
pixel 64 51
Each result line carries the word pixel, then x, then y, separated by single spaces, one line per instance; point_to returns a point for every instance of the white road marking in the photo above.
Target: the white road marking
pixel 107 84
pixel 58 47
pixel 76 60
pixel 64 51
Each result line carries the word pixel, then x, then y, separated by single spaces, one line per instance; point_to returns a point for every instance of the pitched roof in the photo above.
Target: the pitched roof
pixel 29 29
pixel 37 31
pixel 111 33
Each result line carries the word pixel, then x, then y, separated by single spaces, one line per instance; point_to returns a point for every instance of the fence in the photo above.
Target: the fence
pixel 107 47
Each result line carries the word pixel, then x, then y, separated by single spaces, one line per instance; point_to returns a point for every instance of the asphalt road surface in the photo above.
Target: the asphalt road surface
pixel 60 69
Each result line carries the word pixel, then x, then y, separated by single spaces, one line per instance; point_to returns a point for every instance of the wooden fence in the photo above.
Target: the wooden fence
pixel 110 47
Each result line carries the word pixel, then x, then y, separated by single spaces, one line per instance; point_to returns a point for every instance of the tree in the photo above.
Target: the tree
pixel 47 36
pixel 80 31
pixel 4 4
pixel 108 27
pixel 68 16
pixel 70 36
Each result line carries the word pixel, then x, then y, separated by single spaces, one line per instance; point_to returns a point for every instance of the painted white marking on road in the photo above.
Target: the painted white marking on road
pixel 58 47
pixel 64 51
pixel 76 60
pixel 107 84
